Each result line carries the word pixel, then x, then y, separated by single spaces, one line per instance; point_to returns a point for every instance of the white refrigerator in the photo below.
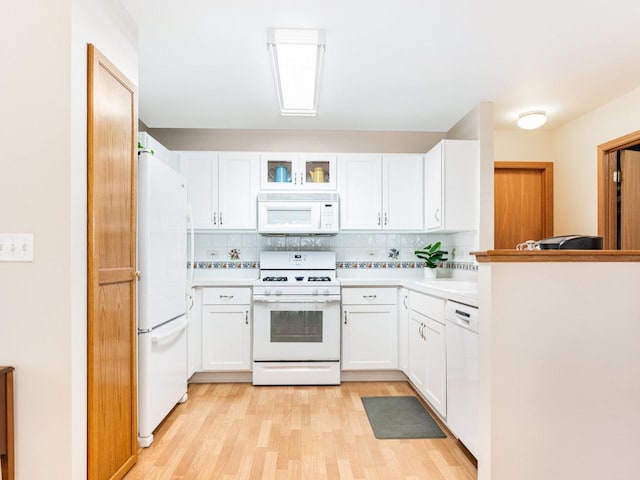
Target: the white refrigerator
pixel 162 319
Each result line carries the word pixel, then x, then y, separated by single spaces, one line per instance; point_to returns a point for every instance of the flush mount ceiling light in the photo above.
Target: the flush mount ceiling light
pixel 296 60
pixel 532 120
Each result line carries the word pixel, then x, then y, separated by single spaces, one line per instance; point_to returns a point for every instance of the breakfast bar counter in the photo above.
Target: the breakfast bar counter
pixel 559 363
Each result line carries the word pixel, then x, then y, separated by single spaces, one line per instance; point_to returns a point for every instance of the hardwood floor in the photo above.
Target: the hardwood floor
pixel 238 431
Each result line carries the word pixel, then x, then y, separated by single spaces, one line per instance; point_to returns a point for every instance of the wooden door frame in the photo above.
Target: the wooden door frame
pixel 547 175
pixel 606 200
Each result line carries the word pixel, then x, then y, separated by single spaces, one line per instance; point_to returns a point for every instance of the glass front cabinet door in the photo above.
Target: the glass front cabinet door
pixel 308 171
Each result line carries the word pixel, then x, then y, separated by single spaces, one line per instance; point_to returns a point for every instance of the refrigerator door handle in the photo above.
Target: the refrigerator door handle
pixel 156 339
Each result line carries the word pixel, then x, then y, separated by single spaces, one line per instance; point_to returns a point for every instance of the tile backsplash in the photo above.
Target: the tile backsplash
pixel 217 247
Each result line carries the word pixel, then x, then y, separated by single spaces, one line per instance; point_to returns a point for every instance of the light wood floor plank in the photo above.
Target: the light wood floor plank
pixel 239 431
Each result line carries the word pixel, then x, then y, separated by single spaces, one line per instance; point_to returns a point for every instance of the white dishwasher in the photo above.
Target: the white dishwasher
pixel 462 373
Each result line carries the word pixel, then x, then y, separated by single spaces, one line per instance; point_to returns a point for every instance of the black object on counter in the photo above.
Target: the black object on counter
pixel 571 242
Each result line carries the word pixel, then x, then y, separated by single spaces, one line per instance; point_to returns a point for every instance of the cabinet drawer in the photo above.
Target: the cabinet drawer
pixel 427 305
pixel 226 296
pixel 369 296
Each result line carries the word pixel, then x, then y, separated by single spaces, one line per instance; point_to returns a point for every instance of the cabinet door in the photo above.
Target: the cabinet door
pixel 226 338
pixel 417 351
pixel 201 170
pixel 436 387
pixel 403 330
pixel 402 199
pixel 433 213
pixel 369 337
pixel 238 187
pixel 317 171
pixel 194 331
pixel 359 185
pixel 278 171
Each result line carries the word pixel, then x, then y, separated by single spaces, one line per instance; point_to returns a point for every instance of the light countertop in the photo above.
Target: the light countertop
pixel 462 291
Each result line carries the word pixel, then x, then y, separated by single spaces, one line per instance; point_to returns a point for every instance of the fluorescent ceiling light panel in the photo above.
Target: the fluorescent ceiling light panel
pixel 296 59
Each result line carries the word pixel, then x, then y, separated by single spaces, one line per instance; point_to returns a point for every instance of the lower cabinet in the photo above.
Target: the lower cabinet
pixel 369 329
pixel 417 358
pixel 226 329
pixel 427 368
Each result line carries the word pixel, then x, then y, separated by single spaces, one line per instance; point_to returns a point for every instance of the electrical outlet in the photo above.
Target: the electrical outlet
pixel 16 247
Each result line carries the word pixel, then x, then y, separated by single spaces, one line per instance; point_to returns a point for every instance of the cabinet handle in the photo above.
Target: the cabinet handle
pixel 191 300
pixel 215 218
pixel 385 218
pixel 369 297
pixel 226 296
pixel 246 317
pixel 404 301
pixel 345 317
pixel 378 218
pixel 437 214
pixel 220 218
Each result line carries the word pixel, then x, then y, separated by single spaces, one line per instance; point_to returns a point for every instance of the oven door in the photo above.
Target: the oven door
pixel 296 329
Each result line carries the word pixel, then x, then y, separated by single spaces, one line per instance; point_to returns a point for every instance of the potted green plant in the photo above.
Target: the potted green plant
pixel 432 256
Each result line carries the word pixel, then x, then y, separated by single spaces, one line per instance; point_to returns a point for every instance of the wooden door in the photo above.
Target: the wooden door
pixel 111 236
pixel 523 202
pixel 630 200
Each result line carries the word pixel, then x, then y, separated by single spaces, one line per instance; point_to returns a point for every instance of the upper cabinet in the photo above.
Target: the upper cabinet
pixel 222 189
pixel 452 182
pixel 380 191
pixel 286 171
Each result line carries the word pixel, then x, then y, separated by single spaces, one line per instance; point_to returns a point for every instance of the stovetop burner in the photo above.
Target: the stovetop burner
pixel 297 274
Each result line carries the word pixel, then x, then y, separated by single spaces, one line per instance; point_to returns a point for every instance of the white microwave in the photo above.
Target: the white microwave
pixel 298 213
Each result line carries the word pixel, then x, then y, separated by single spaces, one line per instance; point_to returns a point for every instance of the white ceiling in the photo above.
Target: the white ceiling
pixel 399 65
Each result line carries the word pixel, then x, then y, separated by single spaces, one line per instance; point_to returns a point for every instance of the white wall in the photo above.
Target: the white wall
pixel 43 191
pixel 522 146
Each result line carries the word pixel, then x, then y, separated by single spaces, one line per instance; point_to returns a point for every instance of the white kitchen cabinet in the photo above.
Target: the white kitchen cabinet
pixel 226 329
pixel 194 331
pixel 452 186
pixel 403 330
pixel 381 191
pixel 427 349
pixel 436 387
pixel 222 189
pixel 308 171
pixel 417 358
pixel 369 329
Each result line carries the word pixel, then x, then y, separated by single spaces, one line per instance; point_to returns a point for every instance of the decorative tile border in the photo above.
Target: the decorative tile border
pixel 469 266
pixel 227 265
pixel 466 266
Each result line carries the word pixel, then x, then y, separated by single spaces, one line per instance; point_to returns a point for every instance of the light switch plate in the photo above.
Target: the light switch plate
pixel 16 247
